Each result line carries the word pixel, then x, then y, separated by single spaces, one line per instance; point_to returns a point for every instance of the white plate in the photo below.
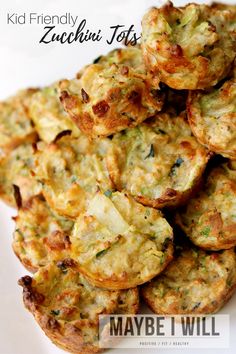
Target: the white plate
pixel 24 62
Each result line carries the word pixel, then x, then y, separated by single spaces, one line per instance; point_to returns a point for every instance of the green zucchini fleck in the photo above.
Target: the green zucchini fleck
pixel 55 312
pixel 151 152
pixel 206 231
pixel 101 253
pixel 108 193
pixel 177 164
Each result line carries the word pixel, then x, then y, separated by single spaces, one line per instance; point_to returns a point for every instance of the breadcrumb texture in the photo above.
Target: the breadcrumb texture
pixel 15 122
pixel 48 114
pixel 209 219
pixel 159 163
pixel 119 244
pixel 212 117
pixel 191 47
pixel 111 95
pixel 15 169
pixel 40 235
pixel 67 307
pixel 196 282
pixel 71 171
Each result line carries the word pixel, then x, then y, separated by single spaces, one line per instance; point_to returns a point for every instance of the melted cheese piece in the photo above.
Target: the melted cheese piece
pixel 106 213
pixel 119 243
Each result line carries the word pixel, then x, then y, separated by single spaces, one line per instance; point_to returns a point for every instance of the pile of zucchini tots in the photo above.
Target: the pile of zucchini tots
pixel 124 178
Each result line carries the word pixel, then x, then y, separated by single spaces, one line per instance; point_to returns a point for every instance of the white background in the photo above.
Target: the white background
pixel 23 63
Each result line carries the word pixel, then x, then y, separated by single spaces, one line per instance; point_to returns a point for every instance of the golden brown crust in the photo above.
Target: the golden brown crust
pixel 48 114
pixel 111 95
pixel 191 47
pixel 159 163
pixel 15 122
pixel 196 282
pixel 209 219
pixel 170 199
pixel 71 171
pixel 15 169
pixel 67 307
pixel 116 146
pixel 212 117
pixel 119 244
pixel 40 235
